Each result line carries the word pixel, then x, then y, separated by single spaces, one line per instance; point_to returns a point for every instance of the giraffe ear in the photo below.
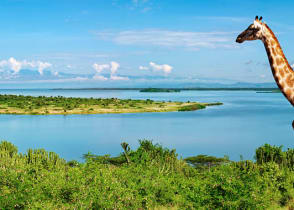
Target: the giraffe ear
pixel 256 17
pixel 260 18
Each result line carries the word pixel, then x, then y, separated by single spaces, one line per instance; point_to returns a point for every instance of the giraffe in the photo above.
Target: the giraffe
pixel 282 71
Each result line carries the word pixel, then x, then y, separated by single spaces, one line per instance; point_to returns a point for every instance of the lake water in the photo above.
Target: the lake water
pixel 245 121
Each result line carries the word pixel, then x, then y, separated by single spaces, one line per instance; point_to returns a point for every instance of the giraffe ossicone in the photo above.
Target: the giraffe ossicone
pixel 281 69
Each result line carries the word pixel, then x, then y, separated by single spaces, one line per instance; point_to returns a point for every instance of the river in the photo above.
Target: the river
pixel 245 121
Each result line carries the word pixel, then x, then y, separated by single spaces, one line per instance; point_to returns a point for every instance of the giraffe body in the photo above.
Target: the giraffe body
pixel 282 71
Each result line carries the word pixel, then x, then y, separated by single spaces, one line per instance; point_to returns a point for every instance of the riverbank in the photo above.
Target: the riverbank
pixel 41 105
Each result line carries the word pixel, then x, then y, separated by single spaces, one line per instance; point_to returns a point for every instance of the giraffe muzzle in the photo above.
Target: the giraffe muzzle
pixel 239 39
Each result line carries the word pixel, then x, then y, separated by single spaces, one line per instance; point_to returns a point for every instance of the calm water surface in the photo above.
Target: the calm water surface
pixel 245 121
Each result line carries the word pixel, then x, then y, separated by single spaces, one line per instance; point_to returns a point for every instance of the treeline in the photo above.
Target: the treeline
pixel 192 88
pixel 149 177
pixel 159 90
pixel 66 103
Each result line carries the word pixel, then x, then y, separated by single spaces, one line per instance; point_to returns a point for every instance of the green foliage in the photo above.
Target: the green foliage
pixel 191 107
pixel 158 90
pixel 200 161
pixel 268 153
pixel 154 178
pixel 6 148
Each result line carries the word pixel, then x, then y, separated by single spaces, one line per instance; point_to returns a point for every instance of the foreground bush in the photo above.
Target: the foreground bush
pixel 149 177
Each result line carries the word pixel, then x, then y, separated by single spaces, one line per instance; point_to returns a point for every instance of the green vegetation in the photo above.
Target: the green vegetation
pixel 192 88
pixel 156 90
pixel 193 107
pixel 150 177
pixel 270 91
pixel 13 104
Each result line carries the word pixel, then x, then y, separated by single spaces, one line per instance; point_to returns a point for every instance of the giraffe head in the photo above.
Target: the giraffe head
pixel 253 32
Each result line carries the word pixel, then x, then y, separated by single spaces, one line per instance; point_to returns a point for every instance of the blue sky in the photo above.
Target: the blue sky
pixel 104 43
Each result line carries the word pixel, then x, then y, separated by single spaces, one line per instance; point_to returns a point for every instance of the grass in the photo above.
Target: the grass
pixel 13 104
pixel 150 177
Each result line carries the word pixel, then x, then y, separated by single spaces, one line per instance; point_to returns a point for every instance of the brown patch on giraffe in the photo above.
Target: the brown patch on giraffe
pixel 273 43
pixel 278 61
pixel 274 51
pixel 282 73
pixel 290 81
pixel 280 52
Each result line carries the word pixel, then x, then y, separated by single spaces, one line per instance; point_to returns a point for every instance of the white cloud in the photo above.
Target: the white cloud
pixel 113 77
pixel 56 73
pixel 16 66
pixel 100 77
pixel 42 65
pixel 114 67
pixel 165 38
pixel 143 68
pixel 164 67
pixel 100 67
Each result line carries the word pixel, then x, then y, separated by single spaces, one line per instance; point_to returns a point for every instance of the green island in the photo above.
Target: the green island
pixel 41 105
pixel 149 177
pixel 159 90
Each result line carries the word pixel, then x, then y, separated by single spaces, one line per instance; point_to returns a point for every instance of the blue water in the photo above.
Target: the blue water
pixel 245 121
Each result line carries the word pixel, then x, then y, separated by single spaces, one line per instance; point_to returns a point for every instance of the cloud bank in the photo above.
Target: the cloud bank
pixel 16 66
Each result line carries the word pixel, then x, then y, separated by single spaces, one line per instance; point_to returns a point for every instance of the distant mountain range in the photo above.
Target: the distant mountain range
pixel 33 79
pixel 216 85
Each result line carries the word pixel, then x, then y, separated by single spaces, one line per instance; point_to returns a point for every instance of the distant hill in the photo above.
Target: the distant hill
pixel 26 79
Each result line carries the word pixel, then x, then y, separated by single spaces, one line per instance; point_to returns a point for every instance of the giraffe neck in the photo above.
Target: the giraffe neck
pixel 282 71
